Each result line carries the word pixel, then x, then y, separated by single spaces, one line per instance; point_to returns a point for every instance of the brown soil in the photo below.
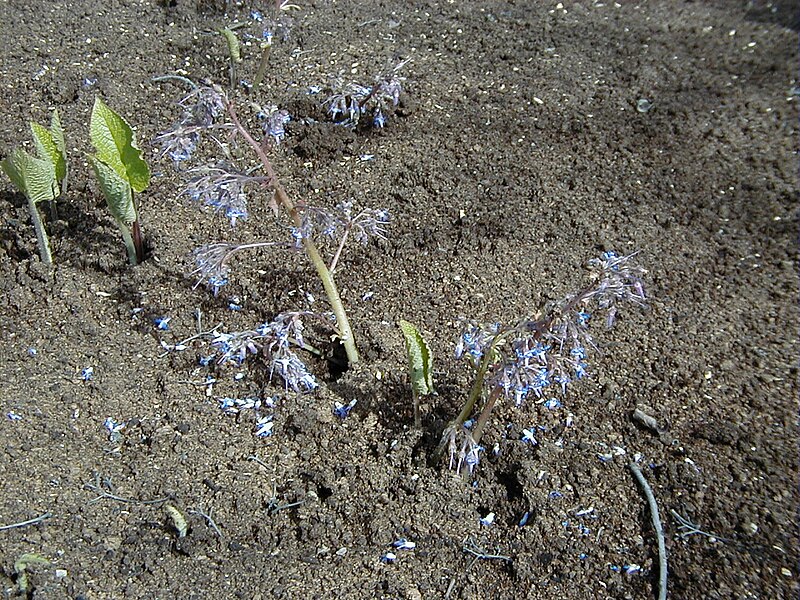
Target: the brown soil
pixel 517 154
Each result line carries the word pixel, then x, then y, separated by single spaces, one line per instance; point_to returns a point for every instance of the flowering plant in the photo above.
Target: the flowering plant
pixel 224 186
pixel 538 353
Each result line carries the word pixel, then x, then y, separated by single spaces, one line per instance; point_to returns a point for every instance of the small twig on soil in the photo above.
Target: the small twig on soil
pixel 199 511
pixel 662 550
pixel 259 461
pixel 99 488
pixel 196 336
pixel 198 383
pixel 273 506
pixel 470 547
pixel 450 588
pixel 38 519
pixel 687 528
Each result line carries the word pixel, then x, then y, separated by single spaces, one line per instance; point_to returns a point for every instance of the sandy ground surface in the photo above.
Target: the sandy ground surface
pixel 521 148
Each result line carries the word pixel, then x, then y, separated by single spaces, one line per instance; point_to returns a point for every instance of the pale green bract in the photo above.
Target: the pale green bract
pixel 117 192
pixel 121 171
pixel 115 143
pixel 420 360
pixel 50 144
pixel 34 177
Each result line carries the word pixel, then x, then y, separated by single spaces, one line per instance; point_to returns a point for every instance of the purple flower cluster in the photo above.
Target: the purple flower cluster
pixel 475 340
pixel 552 350
pixel 348 103
pixel 264 423
pixel 201 108
pixel 221 187
pixel 212 264
pixel 345 104
pixel 278 26
pixel 464 450
pixel 276 340
pixel 342 221
pixel 273 122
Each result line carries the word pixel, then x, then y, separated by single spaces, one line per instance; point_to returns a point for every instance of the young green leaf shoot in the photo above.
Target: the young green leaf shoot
pixel 120 170
pixel 38 177
pixel 420 365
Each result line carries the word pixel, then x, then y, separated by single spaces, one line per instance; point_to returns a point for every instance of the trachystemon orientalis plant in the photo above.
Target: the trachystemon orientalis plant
pixel 538 355
pixel 227 185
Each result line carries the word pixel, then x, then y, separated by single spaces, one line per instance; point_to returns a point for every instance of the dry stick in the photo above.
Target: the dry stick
pixel 470 547
pixel 687 528
pixel 207 517
pixel 179 78
pixel 212 331
pixel 662 550
pixel 38 519
pixel 345 332
pixel 259 461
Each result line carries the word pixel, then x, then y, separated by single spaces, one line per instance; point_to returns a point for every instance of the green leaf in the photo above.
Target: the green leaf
pixel 57 134
pixel 117 191
pixel 35 177
pixel 45 148
pixel 420 359
pixel 116 146
pixel 50 145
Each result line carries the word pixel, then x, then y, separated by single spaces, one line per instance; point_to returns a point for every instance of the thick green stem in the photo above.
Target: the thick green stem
pixel 345 332
pixel 480 425
pixel 477 386
pixel 474 395
pixel 41 234
pixel 417 416
pixel 129 244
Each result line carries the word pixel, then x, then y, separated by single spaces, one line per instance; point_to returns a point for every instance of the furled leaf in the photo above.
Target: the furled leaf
pixel 35 177
pixel 50 145
pixel 116 146
pixel 420 359
pixel 178 520
pixel 21 566
pixel 117 191
pixel 57 131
